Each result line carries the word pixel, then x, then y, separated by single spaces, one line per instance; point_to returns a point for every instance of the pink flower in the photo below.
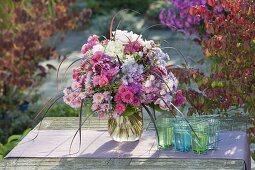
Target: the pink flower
pixel 179 99
pixel 85 48
pixel 161 104
pixel 96 80
pixel 103 81
pixel 102 115
pixel 136 101
pixel 76 74
pixel 76 103
pixel 127 97
pixel 82 95
pixel 132 47
pixel 114 114
pixel 106 95
pixel 93 40
pixel 120 108
pixel 95 106
pixel 104 107
pixel 96 57
pixel 122 89
pixel 98 98
pixel 112 72
pixel 75 85
pixel 66 91
pixel 67 100
pixel 117 97
pixel 74 95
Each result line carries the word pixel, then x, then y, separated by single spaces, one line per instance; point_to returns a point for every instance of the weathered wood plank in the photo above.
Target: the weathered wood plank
pixel 61 123
pixel 79 163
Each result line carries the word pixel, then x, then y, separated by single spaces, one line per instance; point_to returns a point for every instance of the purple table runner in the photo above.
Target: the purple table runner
pixel 98 144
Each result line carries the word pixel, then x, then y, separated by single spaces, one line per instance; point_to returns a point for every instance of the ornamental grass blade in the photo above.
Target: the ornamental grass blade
pixel 59 66
pixel 79 130
pixel 113 18
pixel 80 122
pixel 152 119
pixel 48 108
pixel 179 52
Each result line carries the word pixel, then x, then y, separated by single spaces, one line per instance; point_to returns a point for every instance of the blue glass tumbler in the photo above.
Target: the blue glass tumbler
pixel 182 136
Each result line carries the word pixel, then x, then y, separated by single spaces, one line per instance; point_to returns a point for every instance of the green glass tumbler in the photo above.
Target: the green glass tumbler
pixel 165 132
pixel 200 137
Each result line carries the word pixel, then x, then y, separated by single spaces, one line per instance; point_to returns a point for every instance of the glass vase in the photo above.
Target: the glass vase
pixel 126 128
pixel 165 132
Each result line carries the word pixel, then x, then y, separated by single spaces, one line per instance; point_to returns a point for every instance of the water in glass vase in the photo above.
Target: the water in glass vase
pixel 126 128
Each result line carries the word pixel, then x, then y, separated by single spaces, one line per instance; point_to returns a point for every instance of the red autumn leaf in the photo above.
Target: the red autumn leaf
pixel 212 3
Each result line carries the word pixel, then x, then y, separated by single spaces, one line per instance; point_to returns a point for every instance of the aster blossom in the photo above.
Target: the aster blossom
pixel 120 74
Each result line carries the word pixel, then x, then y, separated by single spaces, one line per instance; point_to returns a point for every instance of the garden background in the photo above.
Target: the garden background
pixel 215 60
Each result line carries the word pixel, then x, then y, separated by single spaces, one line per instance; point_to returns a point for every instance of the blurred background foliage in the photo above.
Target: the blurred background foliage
pixel 25 28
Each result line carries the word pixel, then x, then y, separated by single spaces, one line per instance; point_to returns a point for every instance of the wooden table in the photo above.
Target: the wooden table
pixel 63 123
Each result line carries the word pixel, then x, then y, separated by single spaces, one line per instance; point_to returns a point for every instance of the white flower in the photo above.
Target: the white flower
pixel 124 37
pixel 147 83
pixel 114 48
pixel 148 44
pixel 98 47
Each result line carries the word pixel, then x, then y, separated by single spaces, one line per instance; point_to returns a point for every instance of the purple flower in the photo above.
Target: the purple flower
pixel 179 99
pixel 178 17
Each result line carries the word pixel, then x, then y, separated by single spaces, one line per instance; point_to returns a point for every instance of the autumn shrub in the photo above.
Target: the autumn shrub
pixel 226 31
pixel 25 27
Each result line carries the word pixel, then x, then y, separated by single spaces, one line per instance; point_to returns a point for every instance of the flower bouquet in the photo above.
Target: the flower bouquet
pixel 120 76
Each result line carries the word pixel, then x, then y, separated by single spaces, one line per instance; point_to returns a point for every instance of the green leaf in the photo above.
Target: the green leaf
pixel 129 111
pixel 26 132
pixel 14 138
pixel 1 149
pixel 158 109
